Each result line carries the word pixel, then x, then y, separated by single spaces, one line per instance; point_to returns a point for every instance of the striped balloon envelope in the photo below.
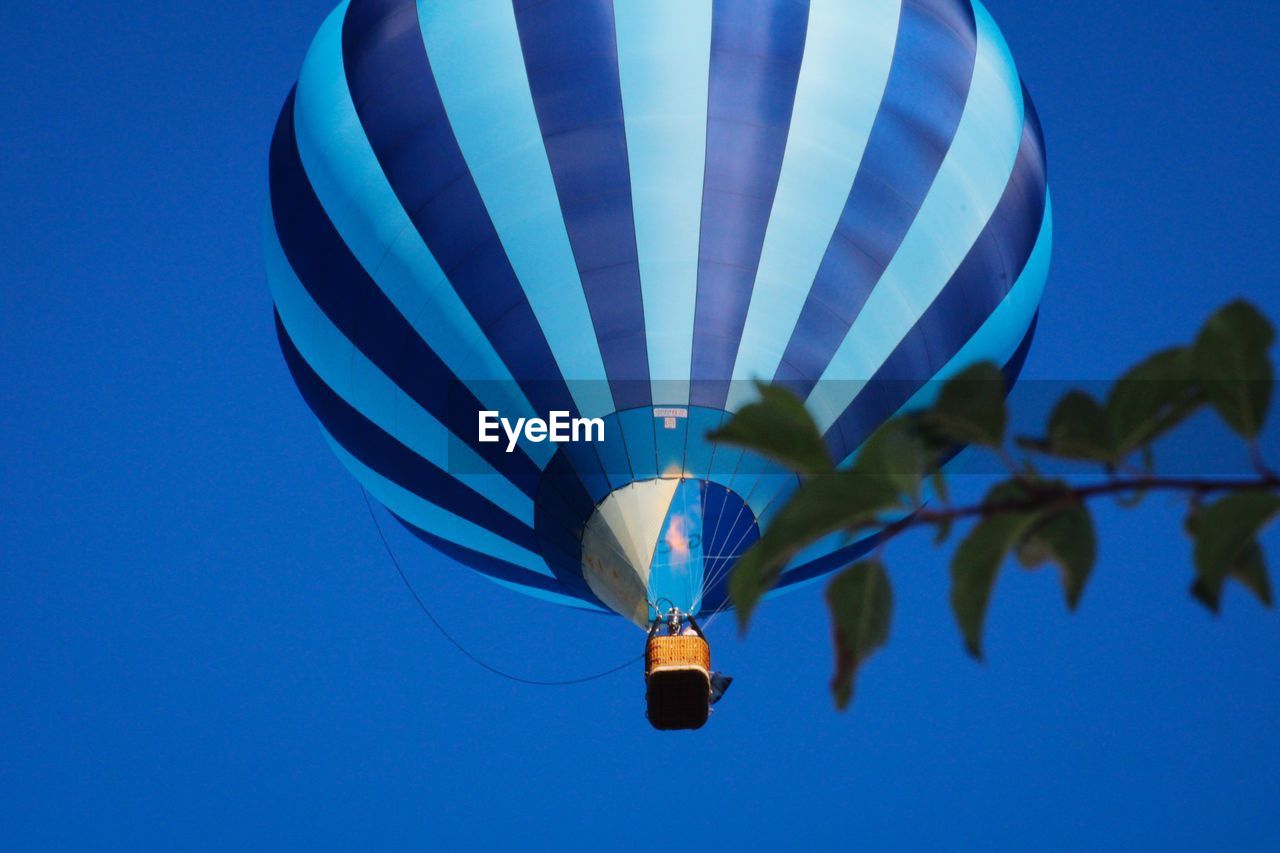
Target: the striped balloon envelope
pixel 625 211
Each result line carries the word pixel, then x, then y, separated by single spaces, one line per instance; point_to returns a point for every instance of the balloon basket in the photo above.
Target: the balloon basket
pixel 677 676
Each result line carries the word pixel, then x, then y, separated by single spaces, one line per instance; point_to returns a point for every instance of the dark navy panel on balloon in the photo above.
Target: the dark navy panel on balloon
pixel 997 259
pixel 728 529
pixel 733 531
pixel 399 104
pixel 362 312
pixel 638 427
pixel 838 559
pixel 560 514
pixel 382 453
pixel 570 57
pixel 756 50
pixel 728 525
pixel 832 562
pixel 589 467
pixel 570 54
pixel 923 102
pixel 983 279
pixel 495 568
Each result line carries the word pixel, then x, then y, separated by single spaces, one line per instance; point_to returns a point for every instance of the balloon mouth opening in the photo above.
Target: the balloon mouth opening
pixel 656 544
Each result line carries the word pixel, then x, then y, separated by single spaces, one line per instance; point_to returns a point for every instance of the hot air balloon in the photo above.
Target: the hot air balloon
pixel 624 211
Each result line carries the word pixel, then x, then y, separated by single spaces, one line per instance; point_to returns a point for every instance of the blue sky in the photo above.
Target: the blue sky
pixel 204 644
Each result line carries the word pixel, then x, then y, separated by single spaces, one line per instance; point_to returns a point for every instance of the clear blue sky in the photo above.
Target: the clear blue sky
pixel 203 644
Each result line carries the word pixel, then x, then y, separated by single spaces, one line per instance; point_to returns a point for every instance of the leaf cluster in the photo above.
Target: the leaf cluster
pixel 896 482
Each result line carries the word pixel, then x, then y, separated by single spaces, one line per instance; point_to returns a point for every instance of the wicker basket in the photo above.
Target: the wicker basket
pixel 683 651
pixel 677 675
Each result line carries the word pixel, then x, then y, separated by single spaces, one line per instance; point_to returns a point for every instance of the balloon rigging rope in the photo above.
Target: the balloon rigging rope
pixel 422 605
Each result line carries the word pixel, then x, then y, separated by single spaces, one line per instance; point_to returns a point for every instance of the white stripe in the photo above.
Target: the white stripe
pixel 848 52
pixel 1000 335
pixel 664 61
pixel 479 69
pixel 341 366
pixel 968 187
pixel 363 207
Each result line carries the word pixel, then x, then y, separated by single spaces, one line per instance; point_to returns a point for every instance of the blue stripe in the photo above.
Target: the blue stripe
pixel 671 443
pixel 395 93
pixel 805 572
pixel 975 292
pixel 664 50
pixel 391 460
pixel 506 573
pixel 638 433
pixel 728 529
pixel 756 50
pixel 475 57
pixel 698 450
pixel 1003 335
pixel 342 367
pixel 613 454
pixel 847 59
pixel 748 470
pixel 955 213
pixel 351 187
pixel 572 64
pixel 771 483
pixel 725 461
pixel 361 312
pixel 404 503
pixel 923 102
pixel 676 569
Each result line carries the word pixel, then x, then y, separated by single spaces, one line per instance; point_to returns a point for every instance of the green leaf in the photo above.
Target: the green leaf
pixel 897 454
pixel 1078 429
pixel 778 426
pixel 1230 358
pixel 1249 570
pixel 939 481
pixel 1067 539
pixel 1152 398
pixel 1226 545
pixel 942 531
pixel 970 408
pixel 820 506
pixel 861 602
pixel 977 561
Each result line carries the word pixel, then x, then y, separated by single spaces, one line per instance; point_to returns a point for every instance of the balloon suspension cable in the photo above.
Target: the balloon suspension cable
pixel 422 605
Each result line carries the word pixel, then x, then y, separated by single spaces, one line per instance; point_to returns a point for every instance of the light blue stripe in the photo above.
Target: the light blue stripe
pixel 996 340
pixel 724 464
pixel 698 450
pixel 664 58
pixel 671 444
pixel 774 483
pixel 1000 335
pixel 433 519
pixel 745 476
pixel 359 382
pixel 676 568
pixel 969 185
pixel 847 56
pixel 358 199
pixel 479 69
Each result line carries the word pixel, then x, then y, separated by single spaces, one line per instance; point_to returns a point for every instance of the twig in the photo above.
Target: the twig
pixel 1046 498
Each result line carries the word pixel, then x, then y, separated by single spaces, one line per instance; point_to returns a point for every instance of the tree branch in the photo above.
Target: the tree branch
pixel 1047 497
